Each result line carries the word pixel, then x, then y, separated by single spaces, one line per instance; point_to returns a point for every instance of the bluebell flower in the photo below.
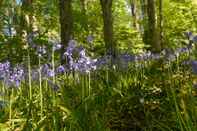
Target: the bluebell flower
pixel 101 61
pixel 74 66
pixel 194 66
pixel 156 56
pixel 81 63
pixel 45 68
pixel 71 46
pixel 188 34
pixel 194 39
pixel 50 73
pixel 57 47
pixel 82 53
pixel 17 83
pixel 182 50
pixel 60 69
pixel 11 76
pixel 14 80
pixel 5 66
pixel 90 39
pixel 127 57
pixel 4 69
pixel 186 62
pixel 35 74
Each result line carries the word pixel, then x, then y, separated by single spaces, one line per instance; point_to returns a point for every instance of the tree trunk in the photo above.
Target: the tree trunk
pixel 108 26
pixel 66 24
pixel 1 3
pixel 160 23
pixel 152 31
pixel 133 13
pixel 143 18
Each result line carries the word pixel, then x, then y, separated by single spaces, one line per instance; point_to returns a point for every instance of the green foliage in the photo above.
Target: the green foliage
pixel 179 17
pixel 149 96
pixel 158 96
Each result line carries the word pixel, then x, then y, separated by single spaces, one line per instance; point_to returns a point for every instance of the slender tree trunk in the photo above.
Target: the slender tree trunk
pixel 66 24
pixel 31 21
pixel 108 26
pixel 1 19
pixel 143 18
pixel 133 12
pixel 160 22
pixel 22 21
pixel 1 3
pixel 152 31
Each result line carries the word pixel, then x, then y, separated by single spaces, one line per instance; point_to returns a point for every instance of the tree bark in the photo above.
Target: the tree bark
pixel 108 27
pixel 143 17
pixel 152 30
pixel 1 3
pixel 66 24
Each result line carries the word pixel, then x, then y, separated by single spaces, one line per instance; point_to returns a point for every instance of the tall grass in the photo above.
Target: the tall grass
pixel 146 96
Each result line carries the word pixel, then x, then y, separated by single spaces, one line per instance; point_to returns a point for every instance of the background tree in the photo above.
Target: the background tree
pixel 66 23
pixel 152 29
pixel 133 4
pixel 108 26
pixel 160 22
pixel 143 24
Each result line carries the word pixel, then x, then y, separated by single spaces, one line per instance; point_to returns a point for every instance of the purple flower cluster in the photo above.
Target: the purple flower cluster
pixel 90 38
pixel 55 44
pixel 60 69
pixel 82 63
pixel 147 56
pixel 15 77
pixel 57 47
pixel 47 71
pixel 11 76
pixel 191 37
pixel 194 66
pixel 78 61
pixel 4 69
